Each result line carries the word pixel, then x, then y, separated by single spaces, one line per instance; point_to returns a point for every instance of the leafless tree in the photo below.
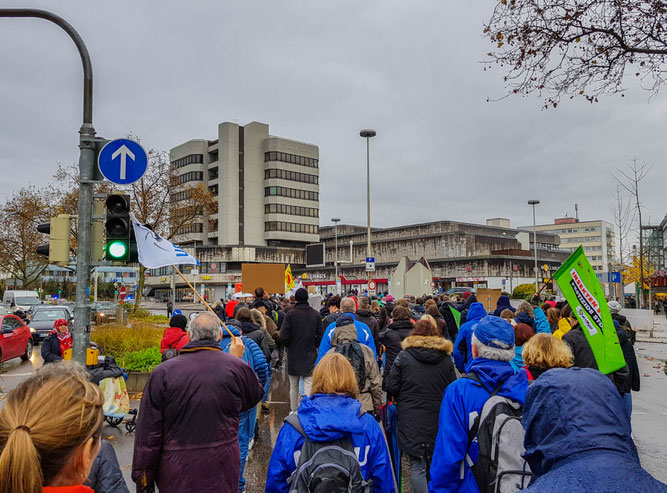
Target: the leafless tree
pixel 629 179
pixel 569 48
pixel 624 215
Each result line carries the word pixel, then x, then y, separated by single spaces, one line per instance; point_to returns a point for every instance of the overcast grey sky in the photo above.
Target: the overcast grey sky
pixel 319 72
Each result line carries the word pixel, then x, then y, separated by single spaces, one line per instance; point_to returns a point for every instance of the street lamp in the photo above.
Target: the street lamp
pixel 534 203
pixel 336 220
pixel 367 133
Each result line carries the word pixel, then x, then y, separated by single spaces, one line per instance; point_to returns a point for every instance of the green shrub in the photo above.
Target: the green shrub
pixel 523 291
pixel 119 341
pixel 140 313
pixel 145 360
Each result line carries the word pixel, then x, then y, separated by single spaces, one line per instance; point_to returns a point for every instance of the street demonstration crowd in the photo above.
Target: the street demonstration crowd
pixel 475 402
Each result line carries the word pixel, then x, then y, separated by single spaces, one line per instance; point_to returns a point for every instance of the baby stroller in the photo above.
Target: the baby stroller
pixel 111 379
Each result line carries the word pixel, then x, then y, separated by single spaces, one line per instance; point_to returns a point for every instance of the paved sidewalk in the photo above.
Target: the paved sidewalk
pixel 659 333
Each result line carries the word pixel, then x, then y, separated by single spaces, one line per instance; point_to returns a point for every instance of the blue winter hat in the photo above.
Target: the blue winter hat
pixel 495 332
pixel 524 318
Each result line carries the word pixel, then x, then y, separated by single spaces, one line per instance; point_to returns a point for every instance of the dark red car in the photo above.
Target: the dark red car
pixel 15 339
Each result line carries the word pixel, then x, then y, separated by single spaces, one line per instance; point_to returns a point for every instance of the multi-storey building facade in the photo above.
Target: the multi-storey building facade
pixel 266 187
pixel 597 238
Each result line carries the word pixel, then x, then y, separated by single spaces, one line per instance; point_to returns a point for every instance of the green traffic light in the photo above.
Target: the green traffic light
pixel 117 249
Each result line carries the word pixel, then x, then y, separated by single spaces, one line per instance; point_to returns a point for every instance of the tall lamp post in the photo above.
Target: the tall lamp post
pixel 534 203
pixel 367 134
pixel 336 220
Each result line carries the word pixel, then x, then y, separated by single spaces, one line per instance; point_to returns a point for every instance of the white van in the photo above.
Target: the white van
pixel 20 300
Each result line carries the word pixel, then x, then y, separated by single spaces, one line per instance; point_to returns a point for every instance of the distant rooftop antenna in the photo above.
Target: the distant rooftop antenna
pixel 576 212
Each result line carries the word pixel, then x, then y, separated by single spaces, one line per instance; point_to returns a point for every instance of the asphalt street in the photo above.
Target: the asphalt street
pixel 649 416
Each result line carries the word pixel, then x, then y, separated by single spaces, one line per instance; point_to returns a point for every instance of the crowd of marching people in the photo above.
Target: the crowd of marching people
pixel 472 400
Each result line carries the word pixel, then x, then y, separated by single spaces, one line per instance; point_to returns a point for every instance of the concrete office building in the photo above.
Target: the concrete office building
pixel 267 187
pixel 267 193
pixel 597 238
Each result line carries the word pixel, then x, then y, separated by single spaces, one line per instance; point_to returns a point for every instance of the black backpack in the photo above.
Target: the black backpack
pixel 171 351
pixel 326 467
pixel 500 467
pixel 355 355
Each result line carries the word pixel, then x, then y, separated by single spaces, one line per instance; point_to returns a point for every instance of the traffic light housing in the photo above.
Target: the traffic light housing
pixel 58 248
pixel 97 232
pixel 118 227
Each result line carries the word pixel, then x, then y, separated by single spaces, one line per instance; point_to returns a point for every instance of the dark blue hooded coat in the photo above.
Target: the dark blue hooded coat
pixel 462 346
pixel 326 417
pixel 578 436
pixel 463 399
pixel 503 303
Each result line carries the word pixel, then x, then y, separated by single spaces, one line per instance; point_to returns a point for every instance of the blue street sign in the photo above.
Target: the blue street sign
pixel 370 259
pixel 122 161
pixel 615 276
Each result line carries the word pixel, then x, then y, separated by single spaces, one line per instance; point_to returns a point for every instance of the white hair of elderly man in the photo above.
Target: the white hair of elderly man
pixel 205 327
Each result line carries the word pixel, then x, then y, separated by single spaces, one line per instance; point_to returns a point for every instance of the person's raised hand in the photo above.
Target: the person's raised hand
pixel 237 348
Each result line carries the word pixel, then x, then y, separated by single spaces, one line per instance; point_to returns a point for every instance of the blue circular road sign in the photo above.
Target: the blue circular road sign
pixel 122 161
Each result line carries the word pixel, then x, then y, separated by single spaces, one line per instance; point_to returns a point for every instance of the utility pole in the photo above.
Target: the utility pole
pixel 537 282
pixel 368 134
pixel 336 220
pixel 81 328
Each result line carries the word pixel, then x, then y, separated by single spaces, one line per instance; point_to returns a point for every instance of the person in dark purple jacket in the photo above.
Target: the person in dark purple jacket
pixel 187 429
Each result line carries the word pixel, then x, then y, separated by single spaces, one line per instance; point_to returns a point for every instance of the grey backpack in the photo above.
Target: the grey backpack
pixel 326 467
pixel 500 467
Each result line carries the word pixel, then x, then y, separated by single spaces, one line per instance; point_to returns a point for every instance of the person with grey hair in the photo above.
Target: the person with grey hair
pixel 188 423
pixel 364 334
pixel 488 373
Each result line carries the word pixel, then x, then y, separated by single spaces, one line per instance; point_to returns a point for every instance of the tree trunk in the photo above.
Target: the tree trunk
pixel 140 289
pixel 642 300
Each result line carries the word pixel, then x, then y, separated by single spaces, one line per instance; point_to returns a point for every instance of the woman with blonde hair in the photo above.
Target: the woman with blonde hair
pixel 331 416
pixel 50 431
pixel 543 352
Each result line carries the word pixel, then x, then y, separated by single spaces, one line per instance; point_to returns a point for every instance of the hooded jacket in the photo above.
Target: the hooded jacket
pixel 503 304
pixel 462 346
pixel 364 336
pixel 252 355
pixel 632 382
pixel 254 332
pixel 368 317
pixel 326 417
pixel 449 469
pixel 564 327
pixel 175 338
pixel 105 475
pixel 301 332
pixel 578 436
pixel 370 394
pixel 188 426
pixel 392 337
pixel 418 378
pixel 450 322
pixel 465 307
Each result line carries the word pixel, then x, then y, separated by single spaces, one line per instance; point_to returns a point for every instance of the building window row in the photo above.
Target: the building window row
pixel 193 228
pixel 292 210
pixel 291 158
pixel 191 176
pixel 291 227
pixel 191 159
pixel 179 196
pixel 576 230
pixel 293 193
pixel 581 239
pixel 290 175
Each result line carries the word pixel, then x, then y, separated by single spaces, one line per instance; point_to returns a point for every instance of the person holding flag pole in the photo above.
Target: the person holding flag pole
pixel 155 252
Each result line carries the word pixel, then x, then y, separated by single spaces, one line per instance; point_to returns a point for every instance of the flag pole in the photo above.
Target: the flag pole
pixel 208 307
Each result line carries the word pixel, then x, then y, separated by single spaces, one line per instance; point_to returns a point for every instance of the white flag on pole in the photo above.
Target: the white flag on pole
pixel 154 251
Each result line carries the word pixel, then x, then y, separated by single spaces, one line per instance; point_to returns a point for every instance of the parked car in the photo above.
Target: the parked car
pixel 459 290
pixel 42 319
pixel 3 311
pixel 103 311
pixel 15 339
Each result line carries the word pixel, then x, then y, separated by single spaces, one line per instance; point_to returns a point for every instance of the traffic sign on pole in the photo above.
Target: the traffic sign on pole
pixel 370 264
pixel 122 161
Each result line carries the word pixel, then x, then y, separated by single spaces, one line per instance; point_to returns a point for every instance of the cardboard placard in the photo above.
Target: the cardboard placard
pixel 271 277
pixel 489 298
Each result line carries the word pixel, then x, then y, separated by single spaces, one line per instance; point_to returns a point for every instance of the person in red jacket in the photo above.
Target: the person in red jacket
pixel 175 337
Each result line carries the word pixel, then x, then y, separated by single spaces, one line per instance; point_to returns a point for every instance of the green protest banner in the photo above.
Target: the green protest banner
pixel 583 292
pixel 457 315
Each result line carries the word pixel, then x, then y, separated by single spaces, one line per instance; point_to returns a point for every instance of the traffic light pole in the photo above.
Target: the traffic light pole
pixel 81 328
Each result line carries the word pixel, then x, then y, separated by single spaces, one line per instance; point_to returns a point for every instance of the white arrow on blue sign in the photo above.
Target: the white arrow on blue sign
pixel 122 161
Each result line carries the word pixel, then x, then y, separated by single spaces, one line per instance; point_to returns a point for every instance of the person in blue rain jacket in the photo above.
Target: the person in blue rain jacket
pixel 462 346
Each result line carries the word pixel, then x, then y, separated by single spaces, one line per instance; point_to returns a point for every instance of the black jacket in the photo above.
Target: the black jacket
pixel 105 475
pixel 253 332
pixel 418 379
pixel 633 382
pixel 330 318
pixel 584 358
pixel 392 336
pixel 367 317
pixel 51 349
pixel 446 312
pixel 301 332
pixel 623 320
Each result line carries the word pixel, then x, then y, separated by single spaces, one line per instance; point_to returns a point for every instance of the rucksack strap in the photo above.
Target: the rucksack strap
pixel 177 341
pixel 474 429
pixel 293 419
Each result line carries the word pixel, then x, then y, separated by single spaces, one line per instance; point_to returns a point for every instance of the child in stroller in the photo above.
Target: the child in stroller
pixel 111 379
